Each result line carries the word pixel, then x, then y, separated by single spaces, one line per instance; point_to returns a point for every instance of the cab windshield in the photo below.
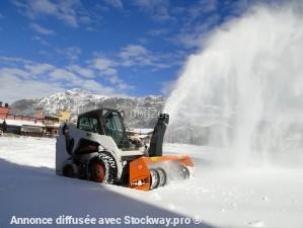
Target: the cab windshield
pixel 114 127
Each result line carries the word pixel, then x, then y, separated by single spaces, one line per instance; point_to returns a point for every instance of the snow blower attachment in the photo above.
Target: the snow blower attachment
pixel 98 149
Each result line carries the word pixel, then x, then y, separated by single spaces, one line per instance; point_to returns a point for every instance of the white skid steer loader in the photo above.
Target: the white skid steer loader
pixel 98 149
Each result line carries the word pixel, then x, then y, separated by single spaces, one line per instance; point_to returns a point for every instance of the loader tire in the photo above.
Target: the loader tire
pixel 162 177
pixel 184 171
pixel 103 169
pixel 68 171
pixel 154 179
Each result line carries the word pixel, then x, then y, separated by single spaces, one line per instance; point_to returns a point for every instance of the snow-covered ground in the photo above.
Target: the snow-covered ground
pixel 217 195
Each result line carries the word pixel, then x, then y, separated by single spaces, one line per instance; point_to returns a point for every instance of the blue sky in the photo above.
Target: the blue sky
pixel 133 47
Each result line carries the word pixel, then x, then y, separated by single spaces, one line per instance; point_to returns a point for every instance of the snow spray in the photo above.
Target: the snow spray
pixel 244 91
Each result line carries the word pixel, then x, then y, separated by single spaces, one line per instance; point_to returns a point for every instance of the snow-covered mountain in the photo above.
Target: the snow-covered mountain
pixel 139 111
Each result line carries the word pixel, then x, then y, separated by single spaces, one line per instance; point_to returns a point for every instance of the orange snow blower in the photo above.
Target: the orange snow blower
pixel 99 149
pixel 147 173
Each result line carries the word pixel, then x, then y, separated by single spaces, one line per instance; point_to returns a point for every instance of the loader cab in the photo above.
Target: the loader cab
pixel 105 122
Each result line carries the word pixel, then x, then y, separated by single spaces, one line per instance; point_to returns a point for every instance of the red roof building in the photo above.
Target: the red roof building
pixel 4 110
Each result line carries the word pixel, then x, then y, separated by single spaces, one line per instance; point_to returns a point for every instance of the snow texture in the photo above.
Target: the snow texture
pixel 218 195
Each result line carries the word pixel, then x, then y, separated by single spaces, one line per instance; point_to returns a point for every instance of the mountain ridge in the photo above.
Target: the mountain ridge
pixel 139 111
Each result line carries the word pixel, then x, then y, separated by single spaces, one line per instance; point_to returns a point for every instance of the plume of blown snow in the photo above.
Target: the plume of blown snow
pixel 244 91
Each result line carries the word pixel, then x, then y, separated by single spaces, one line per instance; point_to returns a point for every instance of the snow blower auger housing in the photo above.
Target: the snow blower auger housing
pixel 99 149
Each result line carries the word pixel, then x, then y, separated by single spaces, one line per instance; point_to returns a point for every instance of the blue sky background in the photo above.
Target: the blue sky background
pixel 133 47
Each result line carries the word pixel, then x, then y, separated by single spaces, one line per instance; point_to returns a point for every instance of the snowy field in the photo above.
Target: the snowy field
pixel 219 197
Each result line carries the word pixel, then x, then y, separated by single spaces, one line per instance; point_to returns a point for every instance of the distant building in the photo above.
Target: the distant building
pixel 23 126
pixel 142 135
pixel 32 130
pixel 38 125
pixel 4 110
pixel 51 125
pixel 64 116
pixel 39 115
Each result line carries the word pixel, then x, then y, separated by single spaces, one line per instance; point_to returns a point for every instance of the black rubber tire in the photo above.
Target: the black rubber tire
pixel 184 171
pixel 162 177
pixel 68 171
pixel 154 179
pixel 110 168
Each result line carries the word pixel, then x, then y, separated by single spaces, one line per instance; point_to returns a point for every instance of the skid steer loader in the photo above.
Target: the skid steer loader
pixel 98 149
